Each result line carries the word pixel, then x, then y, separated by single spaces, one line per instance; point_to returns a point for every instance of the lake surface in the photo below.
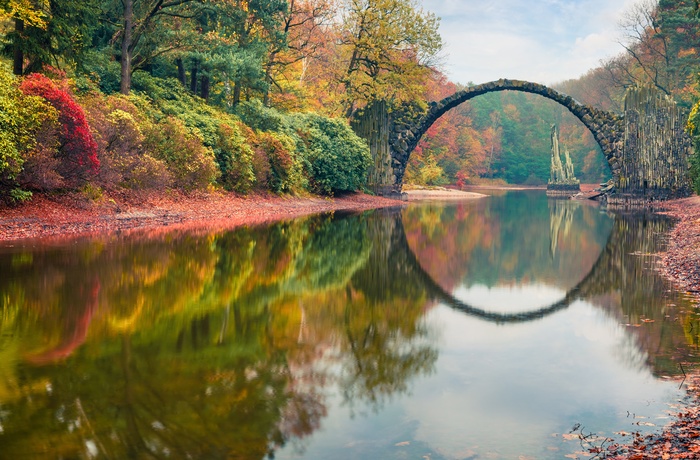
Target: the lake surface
pixel 502 328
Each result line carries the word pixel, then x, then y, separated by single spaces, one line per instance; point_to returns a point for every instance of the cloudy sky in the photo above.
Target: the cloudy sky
pixel 544 41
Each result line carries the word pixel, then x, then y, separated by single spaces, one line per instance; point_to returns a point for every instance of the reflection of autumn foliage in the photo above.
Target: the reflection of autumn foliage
pixel 76 324
pixel 444 238
pixel 78 149
pixel 225 346
pixel 495 241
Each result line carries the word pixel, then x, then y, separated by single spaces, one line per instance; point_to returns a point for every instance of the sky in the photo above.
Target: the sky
pixel 543 41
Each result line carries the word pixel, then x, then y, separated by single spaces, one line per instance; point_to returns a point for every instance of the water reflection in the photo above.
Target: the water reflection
pixel 332 333
pixel 209 346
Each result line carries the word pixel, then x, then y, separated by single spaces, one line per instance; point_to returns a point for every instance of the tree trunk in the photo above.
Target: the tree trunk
pixel 18 53
pixel 181 72
pixel 126 46
pixel 204 82
pixel 193 77
pixel 268 77
pixel 236 93
pixel 266 98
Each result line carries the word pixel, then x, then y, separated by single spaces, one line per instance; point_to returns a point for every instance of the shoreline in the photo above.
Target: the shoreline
pixel 73 216
pixel 681 261
pixel 70 216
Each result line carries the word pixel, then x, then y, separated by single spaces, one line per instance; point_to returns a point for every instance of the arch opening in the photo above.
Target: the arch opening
pixel 607 128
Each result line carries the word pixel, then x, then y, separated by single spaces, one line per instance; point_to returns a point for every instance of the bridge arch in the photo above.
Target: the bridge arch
pixel 607 128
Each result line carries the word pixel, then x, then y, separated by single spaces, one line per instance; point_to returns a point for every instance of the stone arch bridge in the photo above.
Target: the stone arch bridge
pixel 646 148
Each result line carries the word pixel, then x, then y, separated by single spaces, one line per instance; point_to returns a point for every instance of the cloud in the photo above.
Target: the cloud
pixel 541 40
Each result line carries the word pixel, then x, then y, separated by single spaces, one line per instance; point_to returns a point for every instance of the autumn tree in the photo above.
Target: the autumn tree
pixel 456 147
pixel 661 39
pixel 386 50
pixel 22 118
pixel 595 88
pixel 304 25
pixel 22 13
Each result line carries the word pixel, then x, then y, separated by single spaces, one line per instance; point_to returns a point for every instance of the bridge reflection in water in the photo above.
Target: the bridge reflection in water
pixel 622 281
pixel 233 343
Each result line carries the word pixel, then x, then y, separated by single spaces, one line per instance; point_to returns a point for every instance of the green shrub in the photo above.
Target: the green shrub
pixel 167 97
pixel 18 195
pixel 99 68
pixel 695 168
pixel 24 122
pixel 533 180
pixel 693 127
pixel 286 170
pixel 235 159
pixel 190 163
pixel 125 163
pixel 257 116
pixel 337 158
pixel 262 170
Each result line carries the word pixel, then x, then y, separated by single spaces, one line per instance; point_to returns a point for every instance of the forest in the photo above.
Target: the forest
pixel 131 97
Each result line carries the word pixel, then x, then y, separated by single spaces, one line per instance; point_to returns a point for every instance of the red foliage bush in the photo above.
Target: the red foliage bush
pixel 260 162
pixel 78 149
pixel 40 169
pixel 279 159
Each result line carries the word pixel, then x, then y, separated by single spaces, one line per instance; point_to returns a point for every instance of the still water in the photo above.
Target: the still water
pixel 503 328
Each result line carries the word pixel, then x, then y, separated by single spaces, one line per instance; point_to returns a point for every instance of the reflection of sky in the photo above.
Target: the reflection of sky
pixel 509 299
pixel 505 391
pixel 507 387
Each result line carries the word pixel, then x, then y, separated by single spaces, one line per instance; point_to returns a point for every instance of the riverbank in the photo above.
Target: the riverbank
pixel 681 261
pixel 74 215
pixel 440 194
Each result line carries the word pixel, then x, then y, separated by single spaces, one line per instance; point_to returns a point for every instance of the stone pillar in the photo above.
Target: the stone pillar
pixel 656 151
pixel 374 126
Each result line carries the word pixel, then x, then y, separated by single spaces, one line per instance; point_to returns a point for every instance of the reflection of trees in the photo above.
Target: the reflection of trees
pixel 385 340
pixel 191 344
pixel 382 352
pixel 662 328
pixel 623 282
pixel 223 345
pixel 626 285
